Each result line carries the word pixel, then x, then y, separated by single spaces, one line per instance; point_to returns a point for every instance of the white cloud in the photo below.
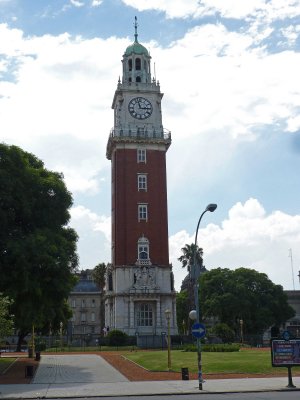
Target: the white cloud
pixel 96 3
pixel 291 33
pixel 226 82
pixel 94 236
pixel 248 238
pixel 62 93
pixel 263 9
pixel 77 3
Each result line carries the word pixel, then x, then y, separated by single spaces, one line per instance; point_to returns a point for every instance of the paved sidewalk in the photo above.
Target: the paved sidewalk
pixel 82 368
pixel 90 376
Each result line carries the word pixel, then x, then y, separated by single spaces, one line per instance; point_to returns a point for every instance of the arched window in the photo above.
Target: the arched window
pixel 138 64
pixel 143 249
pixel 138 79
pixel 130 64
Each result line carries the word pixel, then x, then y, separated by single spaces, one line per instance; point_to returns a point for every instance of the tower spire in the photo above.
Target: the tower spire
pixel 135 29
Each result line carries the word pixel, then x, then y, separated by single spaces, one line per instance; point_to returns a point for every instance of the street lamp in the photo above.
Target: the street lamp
pixel 241 326
pixel 168 317
pixel 195 275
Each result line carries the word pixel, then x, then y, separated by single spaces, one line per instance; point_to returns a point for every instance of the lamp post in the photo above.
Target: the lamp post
pixel 241 326
pixel 168 317
pixel 195 275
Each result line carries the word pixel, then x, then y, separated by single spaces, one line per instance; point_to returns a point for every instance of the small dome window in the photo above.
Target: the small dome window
pixel 130 64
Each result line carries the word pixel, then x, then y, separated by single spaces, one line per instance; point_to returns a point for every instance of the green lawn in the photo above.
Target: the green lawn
pixel 246 361
pixel 5 362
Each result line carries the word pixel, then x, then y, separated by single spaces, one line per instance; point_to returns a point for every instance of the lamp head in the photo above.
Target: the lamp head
pixel 211 207
pixel 167 313
pixel 193 315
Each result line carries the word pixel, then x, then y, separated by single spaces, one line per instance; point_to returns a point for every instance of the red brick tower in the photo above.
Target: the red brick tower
pixel 140 283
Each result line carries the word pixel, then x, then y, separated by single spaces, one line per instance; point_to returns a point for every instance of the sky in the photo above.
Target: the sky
pixel 229 71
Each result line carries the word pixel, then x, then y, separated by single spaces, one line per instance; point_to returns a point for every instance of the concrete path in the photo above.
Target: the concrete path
pixel 82 368
pixel 65 376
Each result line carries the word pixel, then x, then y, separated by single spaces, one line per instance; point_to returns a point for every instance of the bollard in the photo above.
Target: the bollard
pixel 37 356
pixel 29 371
pixel 185 374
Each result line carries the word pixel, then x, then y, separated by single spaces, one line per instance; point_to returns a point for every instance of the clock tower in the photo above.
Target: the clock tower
pixel 140 284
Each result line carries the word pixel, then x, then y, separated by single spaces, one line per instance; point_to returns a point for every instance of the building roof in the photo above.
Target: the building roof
pixel 86 282
pixel 136 48
pixel 85 285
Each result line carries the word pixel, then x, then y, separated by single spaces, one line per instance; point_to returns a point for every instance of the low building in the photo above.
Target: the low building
pixel 85 300
pixel 293 324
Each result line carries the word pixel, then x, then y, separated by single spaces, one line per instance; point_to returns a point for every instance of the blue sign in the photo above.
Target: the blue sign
pixel 198 330
pixel 286 335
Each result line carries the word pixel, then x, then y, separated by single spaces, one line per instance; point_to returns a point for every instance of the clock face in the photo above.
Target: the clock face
pixel 140 108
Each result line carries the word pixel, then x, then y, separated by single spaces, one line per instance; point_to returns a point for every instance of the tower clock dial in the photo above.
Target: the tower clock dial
pixel 140 108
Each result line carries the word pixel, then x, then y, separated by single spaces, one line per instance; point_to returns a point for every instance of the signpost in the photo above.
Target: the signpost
pixel 198 330
pixel 286 353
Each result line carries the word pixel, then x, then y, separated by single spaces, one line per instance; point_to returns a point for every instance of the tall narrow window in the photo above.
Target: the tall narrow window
pixel 142 212
pixel 92 317
pixel 141 155
pixel 138 64
pixel 130 64
pixel 83 317
pixel 144 315
pixel 142 182
pixel 73 303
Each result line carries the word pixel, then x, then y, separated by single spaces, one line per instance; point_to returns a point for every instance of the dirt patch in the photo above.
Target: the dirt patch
pixel 16 373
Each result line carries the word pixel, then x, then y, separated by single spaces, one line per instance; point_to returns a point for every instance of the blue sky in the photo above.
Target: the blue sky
pixel 229 71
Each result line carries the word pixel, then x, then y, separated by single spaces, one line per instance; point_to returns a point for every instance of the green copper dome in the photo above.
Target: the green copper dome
pixel 136 48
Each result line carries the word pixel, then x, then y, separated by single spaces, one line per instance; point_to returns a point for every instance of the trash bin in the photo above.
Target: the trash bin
pixel 185 374
pixel 29 369
pixel 30 352
pixel 37 356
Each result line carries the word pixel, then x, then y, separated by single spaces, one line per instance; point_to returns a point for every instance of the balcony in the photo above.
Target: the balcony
pixel 139 135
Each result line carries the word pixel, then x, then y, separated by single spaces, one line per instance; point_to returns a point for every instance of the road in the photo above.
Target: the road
pixel 289 395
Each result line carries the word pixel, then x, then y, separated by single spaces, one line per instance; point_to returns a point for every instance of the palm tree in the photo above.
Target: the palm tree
pixel 187 258
pixel 99 275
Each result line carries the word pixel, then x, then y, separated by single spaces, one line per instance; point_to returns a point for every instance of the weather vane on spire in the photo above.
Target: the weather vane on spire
pixel 135 29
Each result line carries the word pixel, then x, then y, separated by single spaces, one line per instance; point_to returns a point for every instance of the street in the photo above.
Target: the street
pixel 285 395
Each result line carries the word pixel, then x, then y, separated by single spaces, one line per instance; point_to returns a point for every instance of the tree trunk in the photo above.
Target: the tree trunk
pixel 21 337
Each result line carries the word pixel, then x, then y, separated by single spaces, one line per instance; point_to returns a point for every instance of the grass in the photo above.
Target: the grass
pixel 245 361
pixel 5 363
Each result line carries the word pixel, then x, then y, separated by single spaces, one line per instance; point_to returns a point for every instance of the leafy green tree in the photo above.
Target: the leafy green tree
pixel 243 294
pixel 224 332
pixel 182 312
pixel 37 248
pixel 6 320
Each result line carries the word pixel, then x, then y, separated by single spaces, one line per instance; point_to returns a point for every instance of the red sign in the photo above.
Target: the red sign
pixel 285 353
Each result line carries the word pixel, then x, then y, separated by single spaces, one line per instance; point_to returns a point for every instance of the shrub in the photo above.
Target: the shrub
pixel 117 338
pixel 213 347
pixel 224 332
